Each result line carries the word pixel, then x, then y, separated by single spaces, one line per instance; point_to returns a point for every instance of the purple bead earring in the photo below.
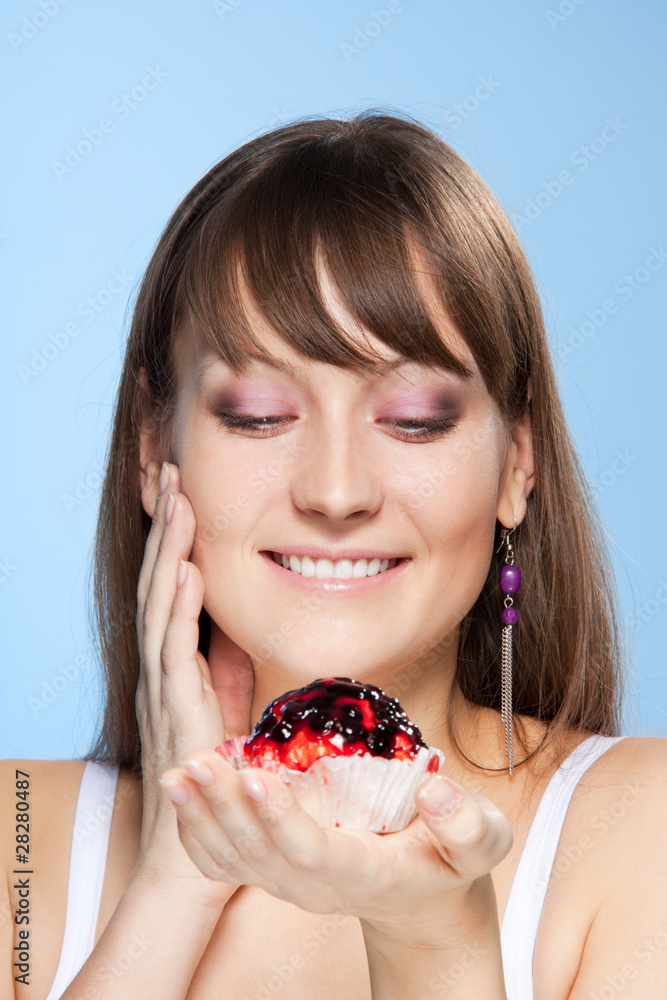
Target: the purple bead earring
pixel 510 581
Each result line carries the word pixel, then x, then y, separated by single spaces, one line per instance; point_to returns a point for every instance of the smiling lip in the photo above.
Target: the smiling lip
pixel 318 553
pixel 336 585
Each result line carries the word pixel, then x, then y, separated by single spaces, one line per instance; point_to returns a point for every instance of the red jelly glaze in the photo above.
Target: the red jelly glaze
pixel 333 716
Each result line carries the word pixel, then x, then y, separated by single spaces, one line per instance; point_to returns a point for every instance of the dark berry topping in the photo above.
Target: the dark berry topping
pixel 334 716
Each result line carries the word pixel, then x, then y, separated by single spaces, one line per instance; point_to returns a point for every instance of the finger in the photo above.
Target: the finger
pixel 197 854
pixel 147 692
pixel 468 830
pixel 227 840
pixel 160 487
pixel 303 849
pixel 248 812
pixel 175 543
pixel 231 798
pixel 185 678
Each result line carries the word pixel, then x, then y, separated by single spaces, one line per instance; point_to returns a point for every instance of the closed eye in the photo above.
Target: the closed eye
pixel 418 430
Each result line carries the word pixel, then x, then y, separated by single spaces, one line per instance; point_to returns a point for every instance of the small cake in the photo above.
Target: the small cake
pixel 347 751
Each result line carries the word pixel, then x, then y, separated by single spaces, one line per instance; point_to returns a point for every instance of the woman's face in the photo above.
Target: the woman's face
pixel 342 465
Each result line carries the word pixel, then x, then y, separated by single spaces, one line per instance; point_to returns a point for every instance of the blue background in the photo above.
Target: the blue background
pixel 525 91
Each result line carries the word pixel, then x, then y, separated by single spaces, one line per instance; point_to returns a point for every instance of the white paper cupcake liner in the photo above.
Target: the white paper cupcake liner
pixel 359 791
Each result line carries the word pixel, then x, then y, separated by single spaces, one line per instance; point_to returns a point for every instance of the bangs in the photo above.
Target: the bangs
pixel 317 206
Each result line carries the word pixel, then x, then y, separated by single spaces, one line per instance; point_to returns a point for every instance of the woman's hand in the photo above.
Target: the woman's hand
pixel 178 708
pixel 249 830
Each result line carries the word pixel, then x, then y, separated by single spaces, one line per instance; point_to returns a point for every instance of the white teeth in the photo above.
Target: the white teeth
pixel 344 569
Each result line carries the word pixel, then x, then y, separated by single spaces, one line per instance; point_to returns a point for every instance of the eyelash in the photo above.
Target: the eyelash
pixel 431 429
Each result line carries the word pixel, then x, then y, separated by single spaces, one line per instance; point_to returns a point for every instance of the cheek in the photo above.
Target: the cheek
pixel 459 519
pixel 219 491
pixel 453 503
pixel 458 484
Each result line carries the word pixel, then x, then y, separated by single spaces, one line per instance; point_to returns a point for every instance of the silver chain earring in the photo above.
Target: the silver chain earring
pixel 510 581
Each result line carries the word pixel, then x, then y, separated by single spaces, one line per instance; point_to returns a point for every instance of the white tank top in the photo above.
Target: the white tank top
pixel 90 840
pixel 518 933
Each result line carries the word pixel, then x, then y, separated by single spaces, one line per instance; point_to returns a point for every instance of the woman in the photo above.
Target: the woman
pixel 337 352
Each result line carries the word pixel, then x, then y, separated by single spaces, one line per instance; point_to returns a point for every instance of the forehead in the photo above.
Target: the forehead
pixel 195 357
pixel 200 362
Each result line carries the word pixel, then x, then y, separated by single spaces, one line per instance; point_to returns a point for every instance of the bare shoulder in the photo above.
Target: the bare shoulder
pixel 49 790
pixel 636 761
pixel 44 787
pixel 42 770
pixel 608 885
pixel 634 777
pixel 623 795
pixel 626 945
pixel 37 809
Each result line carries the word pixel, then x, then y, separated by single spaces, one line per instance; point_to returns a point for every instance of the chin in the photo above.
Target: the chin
pixel 299 665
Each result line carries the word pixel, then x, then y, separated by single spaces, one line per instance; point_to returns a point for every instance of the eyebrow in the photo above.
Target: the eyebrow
pixel 379 369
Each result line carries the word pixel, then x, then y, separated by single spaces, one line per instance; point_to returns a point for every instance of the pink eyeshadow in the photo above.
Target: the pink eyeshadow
pixel 418 402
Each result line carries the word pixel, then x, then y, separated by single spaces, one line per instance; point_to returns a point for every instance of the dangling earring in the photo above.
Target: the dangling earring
pixel 510 581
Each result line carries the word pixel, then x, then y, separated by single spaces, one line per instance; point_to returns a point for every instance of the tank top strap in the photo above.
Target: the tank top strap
pixel 90 841
pixel 526 899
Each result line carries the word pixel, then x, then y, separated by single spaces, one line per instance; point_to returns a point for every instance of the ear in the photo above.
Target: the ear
pixel 518 476
pixel 150 457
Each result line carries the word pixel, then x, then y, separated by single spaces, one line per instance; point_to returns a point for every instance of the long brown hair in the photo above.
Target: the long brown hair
pixel 360 191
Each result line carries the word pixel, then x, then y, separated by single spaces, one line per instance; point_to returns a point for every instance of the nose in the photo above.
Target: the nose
pixel 336 476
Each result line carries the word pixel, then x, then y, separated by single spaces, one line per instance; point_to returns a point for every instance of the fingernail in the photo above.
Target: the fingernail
pixel 164 477
pixel 170 507
pixel 182 570
pixel 253 786
pixel 440 797
pixel 199 770
pixel 177 792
